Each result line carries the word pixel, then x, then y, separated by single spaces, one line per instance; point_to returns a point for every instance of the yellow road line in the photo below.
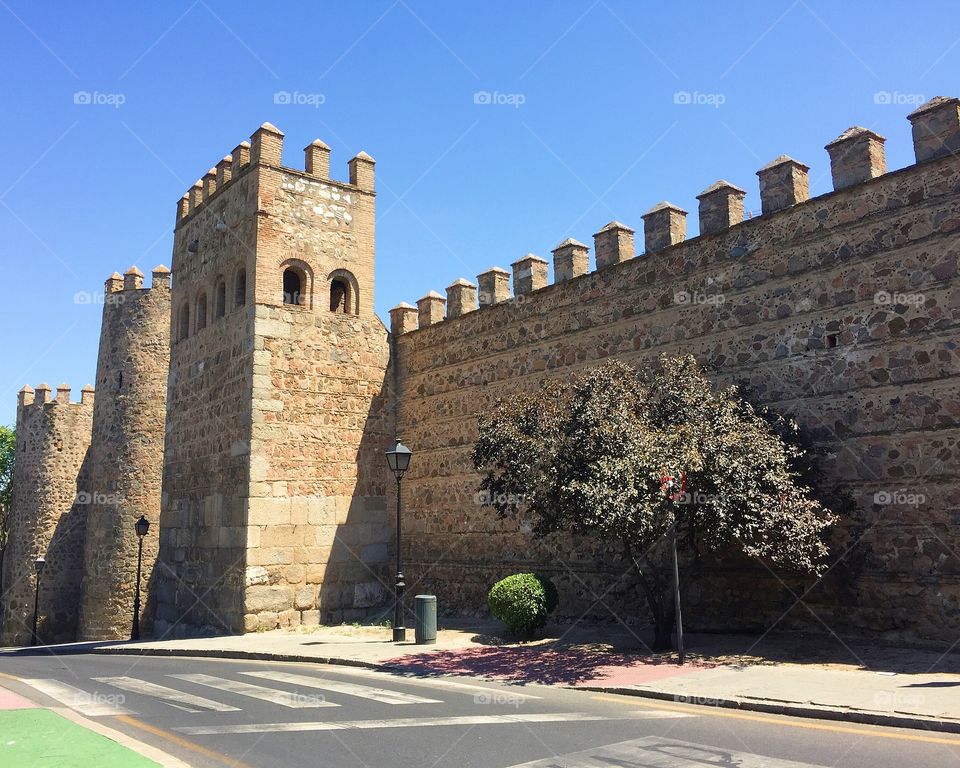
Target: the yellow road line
pixel 183 743
pixel 775 720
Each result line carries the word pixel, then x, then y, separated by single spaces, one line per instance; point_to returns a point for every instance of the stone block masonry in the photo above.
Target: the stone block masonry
pixel 126 453
pixel 841 310
pixel 278 408
pixel 47 515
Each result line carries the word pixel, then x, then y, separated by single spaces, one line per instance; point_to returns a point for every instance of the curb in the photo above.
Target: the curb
pixel 248 655
pixel 747 705
pixel 792 710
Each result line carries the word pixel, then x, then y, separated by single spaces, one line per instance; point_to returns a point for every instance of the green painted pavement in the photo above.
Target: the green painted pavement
pixel 40 738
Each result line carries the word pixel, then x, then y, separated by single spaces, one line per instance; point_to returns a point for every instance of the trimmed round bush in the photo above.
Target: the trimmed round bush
pixel 523 602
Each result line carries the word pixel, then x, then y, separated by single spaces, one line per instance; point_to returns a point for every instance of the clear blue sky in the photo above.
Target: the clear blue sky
pixel 86 189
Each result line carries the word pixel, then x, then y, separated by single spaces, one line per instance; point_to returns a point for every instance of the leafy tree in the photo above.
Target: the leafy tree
pixel 8 441
pixel 589 456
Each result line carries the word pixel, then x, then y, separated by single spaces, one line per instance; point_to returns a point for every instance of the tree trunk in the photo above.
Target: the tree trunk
pixel 660 604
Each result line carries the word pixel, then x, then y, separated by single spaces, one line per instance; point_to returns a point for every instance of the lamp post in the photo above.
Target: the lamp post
pixel 38 564
pixel 675 488
pixel 398 459
pixel 142 526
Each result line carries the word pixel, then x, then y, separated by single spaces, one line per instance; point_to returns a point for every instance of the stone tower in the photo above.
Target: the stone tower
pixel 277 416
pixel 126 452
pixel 47 515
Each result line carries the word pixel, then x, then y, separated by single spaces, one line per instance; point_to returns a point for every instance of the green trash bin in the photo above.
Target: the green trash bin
pixel 425 619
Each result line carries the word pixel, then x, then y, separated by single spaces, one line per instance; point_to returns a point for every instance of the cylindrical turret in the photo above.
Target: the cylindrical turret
pixel 46 517
pixel 126 455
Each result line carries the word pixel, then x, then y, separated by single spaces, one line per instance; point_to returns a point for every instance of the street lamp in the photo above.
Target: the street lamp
pixel 38 564
pixel 675 488
pixel 398 459
pixel 142 526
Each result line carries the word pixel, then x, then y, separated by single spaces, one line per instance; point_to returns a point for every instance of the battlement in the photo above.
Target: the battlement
pixel 28 396
pixel 265 148
pixel 132 280
pixel 856 157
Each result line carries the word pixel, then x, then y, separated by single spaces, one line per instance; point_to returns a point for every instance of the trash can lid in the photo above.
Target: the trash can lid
pixel 425 597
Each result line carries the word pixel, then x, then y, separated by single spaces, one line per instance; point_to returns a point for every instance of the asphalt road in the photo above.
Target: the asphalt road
pixel 246 713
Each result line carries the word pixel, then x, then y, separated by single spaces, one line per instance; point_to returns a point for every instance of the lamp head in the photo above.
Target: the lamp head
pixel 142 526
pixel 398 458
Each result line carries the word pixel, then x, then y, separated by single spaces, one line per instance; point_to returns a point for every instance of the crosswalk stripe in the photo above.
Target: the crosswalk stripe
pixel 89 704
pixel 349 689
pixel 273 695
pixel 508 692
pixel 418 722
pixel 185 701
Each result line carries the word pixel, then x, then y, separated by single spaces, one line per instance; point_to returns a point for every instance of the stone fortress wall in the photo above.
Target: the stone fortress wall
pixel 283 389
pixel 841 310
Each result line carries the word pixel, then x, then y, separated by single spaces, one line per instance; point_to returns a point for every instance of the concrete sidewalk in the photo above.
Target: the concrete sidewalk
pixel 786 674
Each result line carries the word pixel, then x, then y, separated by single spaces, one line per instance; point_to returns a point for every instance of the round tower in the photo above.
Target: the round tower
pixel 46 516
pixel 126 453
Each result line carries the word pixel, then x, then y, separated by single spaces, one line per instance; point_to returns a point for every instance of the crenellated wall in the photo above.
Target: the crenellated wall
pixel 47 515
pixel 841 310
pixel 126 452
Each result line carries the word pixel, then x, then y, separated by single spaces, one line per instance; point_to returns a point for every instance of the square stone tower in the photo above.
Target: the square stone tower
pixel 278 413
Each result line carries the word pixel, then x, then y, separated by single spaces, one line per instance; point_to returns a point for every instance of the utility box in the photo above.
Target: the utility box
pixel 425 619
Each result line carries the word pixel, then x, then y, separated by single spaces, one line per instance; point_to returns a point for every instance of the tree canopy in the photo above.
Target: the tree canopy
pixel 590 455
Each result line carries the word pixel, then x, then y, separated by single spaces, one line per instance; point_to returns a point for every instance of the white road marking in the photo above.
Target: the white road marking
pixel 185 701
pixel 273 695
pixel 348 689
pixel 420 722
pixel 508 691
pixel 654 752
pixel 89 704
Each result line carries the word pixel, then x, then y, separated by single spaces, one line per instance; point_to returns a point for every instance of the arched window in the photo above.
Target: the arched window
pixel 240 289
pixel 184 322
pixel 220 299
pixel 292 286
pixel 339 297
pixel 344 292
pixel 201 311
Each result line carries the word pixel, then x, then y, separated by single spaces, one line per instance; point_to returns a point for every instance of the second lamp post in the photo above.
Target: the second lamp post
pixel 142 526
pixel 398 459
